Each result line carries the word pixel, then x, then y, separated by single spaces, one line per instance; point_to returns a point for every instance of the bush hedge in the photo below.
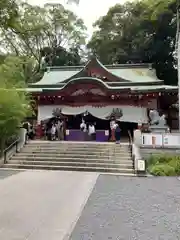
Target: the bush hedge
pixel 164 165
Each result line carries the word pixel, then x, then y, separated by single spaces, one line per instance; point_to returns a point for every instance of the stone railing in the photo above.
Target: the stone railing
pixel 160 140
pixel 139 162
pixel 15 147
pixel 146 144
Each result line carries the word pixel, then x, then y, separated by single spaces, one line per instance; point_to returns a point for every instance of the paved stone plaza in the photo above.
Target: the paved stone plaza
pixel 46 205
pixel 131 209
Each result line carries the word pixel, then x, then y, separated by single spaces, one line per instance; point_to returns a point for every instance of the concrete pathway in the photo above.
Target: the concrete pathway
pixel 42 205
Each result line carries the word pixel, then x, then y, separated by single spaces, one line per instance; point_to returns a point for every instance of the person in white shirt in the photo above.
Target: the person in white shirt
pixel 92 132
pixel 83 128
pixel 59 127
pixel 112 127
pixel 117 132
pixel 53 132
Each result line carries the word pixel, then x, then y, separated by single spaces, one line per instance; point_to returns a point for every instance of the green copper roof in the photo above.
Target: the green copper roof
pixel 123 73
pixel 133 75
pixel 155 87
pixel 136 74
pixel 56 76
pixel 130 77
pixel 33 90
pixel 132 88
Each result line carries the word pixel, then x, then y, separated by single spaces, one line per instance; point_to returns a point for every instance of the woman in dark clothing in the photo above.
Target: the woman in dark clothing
pixel 117 133
pixel 31 133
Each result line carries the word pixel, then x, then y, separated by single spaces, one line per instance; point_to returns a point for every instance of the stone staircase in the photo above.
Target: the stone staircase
pixel 73 156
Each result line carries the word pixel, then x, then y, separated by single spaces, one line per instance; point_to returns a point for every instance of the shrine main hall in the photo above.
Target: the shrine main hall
pixel 99 90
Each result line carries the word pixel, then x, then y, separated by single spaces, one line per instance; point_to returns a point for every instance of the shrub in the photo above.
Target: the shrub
pixel 175 163
pixel 164 165
pixel 162 170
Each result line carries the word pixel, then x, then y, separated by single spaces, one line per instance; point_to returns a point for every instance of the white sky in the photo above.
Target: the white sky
pixel 88 10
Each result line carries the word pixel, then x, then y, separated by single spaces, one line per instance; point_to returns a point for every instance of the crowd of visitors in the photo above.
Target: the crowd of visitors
pixel 89 131
pixel 55 129
pixel 52 130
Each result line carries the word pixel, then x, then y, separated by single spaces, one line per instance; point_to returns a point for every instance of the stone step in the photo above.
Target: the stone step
pixel 74 144
pixel 74 158
pixel 69 152
pixel 75 148
pixel 59 144
pixel 75 164
pixel 68 159
pixel 87 143
pixel 69 168
pixel 75 154
pixel 27 149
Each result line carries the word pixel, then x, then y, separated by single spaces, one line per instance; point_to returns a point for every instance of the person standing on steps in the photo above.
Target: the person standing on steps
pixel 83 128
pixel 112 127
pixel 53 132
pixel 92 132
pixel 117 133
pixel 60 130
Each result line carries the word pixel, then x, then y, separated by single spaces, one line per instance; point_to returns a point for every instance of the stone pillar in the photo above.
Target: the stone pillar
pixel 137 137
pixel 22 136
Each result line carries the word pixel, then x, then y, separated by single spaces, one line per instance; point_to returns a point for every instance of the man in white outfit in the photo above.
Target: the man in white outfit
pixel 92 132
pixel 83 128
pixel 53 132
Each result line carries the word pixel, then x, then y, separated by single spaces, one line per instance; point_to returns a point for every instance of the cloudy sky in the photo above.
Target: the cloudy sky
pixel 89 10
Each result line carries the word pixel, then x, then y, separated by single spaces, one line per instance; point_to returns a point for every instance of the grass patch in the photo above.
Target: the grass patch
pixel 164 165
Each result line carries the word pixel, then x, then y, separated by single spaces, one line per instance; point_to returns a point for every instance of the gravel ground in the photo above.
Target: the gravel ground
pixel 123 208
pixel 7 173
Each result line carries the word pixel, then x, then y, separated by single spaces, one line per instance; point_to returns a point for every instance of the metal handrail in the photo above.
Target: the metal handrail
pixel 15 143
pixel 130 137
pixel 131 147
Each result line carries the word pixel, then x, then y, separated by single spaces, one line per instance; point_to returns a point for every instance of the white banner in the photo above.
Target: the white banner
pixel 72 110
pixel 129 113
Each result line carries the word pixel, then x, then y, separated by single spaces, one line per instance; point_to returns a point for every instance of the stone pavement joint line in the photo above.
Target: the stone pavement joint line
pixel 43 205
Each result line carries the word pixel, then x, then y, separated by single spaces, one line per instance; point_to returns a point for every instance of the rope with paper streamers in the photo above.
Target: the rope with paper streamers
pixel 73 1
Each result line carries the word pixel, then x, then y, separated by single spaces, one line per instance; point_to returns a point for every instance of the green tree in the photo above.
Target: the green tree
pixel 13 109
pixel 139 31
pixel 37 29
pixel 14 101
pixel 17 71
pixel 8 12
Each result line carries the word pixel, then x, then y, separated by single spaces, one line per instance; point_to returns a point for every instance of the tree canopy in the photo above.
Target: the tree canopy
pixel 138 31
pixel 31 36
pixel 14 101
pixel 8 13
pixel 52 33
